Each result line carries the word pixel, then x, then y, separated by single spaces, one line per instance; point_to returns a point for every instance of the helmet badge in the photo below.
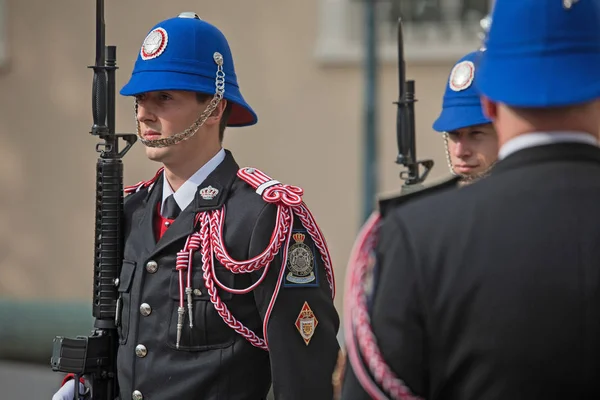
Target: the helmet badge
pixel 154 44
pixel 462 76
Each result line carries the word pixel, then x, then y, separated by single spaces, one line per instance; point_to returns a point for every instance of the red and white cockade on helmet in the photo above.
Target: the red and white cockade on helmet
pixel 208 239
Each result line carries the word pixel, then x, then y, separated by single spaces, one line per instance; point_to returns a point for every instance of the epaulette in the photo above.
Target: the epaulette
pixel 143 184
pixel 409 193
pixel 271 189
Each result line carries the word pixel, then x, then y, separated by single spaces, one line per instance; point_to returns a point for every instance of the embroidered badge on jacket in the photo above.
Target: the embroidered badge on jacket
pixel 306 323
pixel 301 262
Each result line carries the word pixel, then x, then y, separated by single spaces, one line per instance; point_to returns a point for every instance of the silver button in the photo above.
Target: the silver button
pixel 117 282
pixel 145 309
pixel 136 395
pixel 197 292
pixel 140 351
pixel 151 266
pixel 167 224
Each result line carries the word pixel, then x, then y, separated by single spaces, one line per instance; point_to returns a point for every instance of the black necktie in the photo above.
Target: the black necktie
pixel 170 209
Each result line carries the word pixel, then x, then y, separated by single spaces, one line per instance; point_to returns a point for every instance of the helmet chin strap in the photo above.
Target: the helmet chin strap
pixel 464 179
pixel 191 131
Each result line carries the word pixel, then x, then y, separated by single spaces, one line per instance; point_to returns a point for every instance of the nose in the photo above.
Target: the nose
pixel 462 149
pixel 144 112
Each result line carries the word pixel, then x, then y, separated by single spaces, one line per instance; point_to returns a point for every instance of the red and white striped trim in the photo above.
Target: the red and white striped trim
pixel 379 381
pixel 143 184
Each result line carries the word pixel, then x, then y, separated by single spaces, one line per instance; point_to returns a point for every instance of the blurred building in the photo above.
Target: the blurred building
pixel 300 65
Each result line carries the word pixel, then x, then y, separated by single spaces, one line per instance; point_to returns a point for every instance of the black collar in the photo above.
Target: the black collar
pixel 220 180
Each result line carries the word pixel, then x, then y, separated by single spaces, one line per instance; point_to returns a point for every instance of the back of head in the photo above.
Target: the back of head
pixel 542 53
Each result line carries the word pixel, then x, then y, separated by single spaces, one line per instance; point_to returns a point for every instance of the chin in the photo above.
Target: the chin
pixel 156 154
pixel 473 175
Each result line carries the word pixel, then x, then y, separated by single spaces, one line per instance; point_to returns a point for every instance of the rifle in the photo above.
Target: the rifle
pixel 405 126
pixel 95 356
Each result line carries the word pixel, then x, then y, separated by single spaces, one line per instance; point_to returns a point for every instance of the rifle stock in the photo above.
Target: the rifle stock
pixel 405 124
pixel 95 356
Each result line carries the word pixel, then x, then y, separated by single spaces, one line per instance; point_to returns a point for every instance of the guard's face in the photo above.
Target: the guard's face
pixel 473 149
pixel 164 113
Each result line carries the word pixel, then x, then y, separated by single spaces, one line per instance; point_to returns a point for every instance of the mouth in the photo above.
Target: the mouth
pixel 464 168
pixel 151 135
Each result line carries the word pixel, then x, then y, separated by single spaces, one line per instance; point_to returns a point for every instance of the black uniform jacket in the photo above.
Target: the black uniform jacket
pixel 213 361
pixel 492 291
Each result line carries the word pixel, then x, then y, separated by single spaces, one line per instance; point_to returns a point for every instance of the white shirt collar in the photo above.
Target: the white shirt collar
pixel 543 138
pixel 186 193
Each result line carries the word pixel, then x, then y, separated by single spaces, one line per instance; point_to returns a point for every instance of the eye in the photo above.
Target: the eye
pixel 140 97
pixel 477 134
pixel 164 96
pixel 453 136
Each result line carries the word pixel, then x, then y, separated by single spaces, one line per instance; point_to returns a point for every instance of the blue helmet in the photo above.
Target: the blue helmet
pixel 461 105
pixel 187 53
pixel 542 53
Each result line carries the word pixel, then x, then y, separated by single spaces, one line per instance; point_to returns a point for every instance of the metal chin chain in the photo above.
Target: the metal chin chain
pixel 448 159
pixel 189 132
pixel 485 25
pixel 464 179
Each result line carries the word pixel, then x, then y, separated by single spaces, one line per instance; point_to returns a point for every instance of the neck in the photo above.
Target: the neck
pixel 517 122
pixel 505 138
pixel 177 173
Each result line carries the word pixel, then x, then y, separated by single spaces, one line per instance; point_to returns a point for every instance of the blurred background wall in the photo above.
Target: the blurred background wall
pixel 300 65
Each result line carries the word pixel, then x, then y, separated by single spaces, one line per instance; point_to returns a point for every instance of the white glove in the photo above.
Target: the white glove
pixel 67 392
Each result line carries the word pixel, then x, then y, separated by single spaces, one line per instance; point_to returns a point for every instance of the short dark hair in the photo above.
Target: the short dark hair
pixel 203 98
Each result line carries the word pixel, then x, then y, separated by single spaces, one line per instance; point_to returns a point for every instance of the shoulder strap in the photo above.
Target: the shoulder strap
pixel 409 194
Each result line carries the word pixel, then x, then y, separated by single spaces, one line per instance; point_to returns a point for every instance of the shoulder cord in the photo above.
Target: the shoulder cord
pixel 209 240
pixel 380 382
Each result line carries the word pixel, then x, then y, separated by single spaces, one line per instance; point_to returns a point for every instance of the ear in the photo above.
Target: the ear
pixel 490 108
pixel 217 114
